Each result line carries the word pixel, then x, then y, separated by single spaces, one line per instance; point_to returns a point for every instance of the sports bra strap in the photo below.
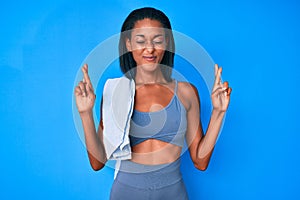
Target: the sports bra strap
pixel 176 86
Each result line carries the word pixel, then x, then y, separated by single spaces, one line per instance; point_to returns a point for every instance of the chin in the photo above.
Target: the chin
pixel 149 67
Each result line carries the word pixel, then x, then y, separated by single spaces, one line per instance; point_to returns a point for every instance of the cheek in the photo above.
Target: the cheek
pixel 161 53
pixel 136 52
pixel 136 56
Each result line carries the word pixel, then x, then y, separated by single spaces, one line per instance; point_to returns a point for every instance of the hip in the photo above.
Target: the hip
pixel 139 181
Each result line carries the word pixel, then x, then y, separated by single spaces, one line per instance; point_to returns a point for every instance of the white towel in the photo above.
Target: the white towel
pixel 118 101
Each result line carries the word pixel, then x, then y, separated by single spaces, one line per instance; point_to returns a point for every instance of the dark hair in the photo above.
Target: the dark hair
pixel 127 63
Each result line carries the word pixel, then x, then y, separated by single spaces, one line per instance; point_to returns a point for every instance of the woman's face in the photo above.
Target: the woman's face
pixel 147 44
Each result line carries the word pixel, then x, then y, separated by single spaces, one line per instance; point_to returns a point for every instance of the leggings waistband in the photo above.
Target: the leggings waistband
pixel 149 176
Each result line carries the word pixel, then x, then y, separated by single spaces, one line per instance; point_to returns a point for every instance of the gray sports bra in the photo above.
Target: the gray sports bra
pixel 168 124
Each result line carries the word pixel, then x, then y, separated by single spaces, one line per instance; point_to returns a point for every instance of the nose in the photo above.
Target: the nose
pixel 150 46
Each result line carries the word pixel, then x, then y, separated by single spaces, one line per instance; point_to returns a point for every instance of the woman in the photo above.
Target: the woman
pixel 146 55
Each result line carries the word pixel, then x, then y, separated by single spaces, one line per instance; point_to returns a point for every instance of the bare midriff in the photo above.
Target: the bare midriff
pixel 155 152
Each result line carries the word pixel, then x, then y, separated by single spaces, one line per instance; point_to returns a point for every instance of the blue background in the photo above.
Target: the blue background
pixel 43 44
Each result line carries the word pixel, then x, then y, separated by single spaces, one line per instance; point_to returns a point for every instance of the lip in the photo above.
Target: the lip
pixel 150 58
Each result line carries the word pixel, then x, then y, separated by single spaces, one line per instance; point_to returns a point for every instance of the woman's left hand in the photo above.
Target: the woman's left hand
pixel 221 92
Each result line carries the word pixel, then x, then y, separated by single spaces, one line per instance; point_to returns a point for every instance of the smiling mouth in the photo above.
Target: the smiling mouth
pixel 150 58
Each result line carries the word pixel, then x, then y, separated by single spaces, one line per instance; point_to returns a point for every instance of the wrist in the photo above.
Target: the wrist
pixel 218 112
pixel 86 114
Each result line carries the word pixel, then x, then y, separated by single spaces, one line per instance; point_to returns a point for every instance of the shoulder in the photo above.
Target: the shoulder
pixel 187 93
pixel 187 89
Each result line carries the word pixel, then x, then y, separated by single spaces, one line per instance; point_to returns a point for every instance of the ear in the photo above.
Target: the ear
pixel 128 44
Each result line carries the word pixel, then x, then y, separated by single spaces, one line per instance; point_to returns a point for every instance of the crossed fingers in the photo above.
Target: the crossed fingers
pixel 84 87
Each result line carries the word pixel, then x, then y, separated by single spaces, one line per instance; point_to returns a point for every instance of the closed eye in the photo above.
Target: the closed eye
pixel 157 42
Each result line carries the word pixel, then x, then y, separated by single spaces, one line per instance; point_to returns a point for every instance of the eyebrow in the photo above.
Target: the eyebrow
pixel 141 35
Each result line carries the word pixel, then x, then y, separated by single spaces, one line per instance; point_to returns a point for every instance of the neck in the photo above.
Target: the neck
pixel 146 77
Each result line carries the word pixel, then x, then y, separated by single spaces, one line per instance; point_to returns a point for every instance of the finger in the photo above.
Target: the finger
pixel 218 76
pixel 87 80
pixel 78 91
pixel 90 86
pixel 219 73
pixel 82 88
pixel 86 77
pixel 84 70
pixel 218 90
pixel 225 84
pixel 216 69
pixel 90 91
pixel 229 91
pixel 227 88
pixel 221 90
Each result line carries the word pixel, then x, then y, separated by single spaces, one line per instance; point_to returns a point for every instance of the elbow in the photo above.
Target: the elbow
pixel 201 166
pixel 202 162
pixel 97 166
pixel 95 163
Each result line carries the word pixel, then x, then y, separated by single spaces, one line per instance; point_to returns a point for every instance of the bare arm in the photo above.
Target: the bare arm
pixel 85 99
pixel 201 146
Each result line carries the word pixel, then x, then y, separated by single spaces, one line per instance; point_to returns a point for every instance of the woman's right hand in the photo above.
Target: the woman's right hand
pixel 84 93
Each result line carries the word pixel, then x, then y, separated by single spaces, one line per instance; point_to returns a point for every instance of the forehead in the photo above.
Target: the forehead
pixel 147 27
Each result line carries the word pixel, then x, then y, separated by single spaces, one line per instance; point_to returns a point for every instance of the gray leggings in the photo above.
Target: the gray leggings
pixel 146 182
